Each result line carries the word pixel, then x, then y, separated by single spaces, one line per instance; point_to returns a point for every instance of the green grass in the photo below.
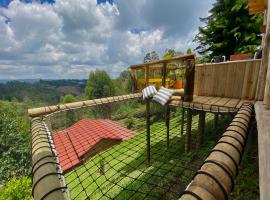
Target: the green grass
pixel 128 175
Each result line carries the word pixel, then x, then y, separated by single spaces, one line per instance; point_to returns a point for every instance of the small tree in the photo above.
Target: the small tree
pixel 100 85
pixel 151 56
pixel 70 114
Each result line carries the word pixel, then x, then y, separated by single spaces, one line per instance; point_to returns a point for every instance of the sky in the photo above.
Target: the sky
pixel 63 39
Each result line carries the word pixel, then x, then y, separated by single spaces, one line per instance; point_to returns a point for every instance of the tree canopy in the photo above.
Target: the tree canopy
pixel 99 85
pixel 229 29
pixel 151 56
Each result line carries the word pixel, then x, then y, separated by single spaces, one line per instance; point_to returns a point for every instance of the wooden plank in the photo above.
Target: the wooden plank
pixel 245 81
pixel 263 126
pixel 213 100
pixel 239 78
pixel 254 80
pixel 202 99
pixel 232 103
pixel 222 101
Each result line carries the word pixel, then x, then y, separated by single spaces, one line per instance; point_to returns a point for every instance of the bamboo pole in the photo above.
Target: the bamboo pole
pixel 35 112
pixel 215 178
pixel 46 178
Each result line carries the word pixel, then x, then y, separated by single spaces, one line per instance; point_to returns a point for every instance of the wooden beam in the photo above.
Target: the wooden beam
pixel 148 130
pixel 167 108
pixel 263 126
pixel 188 130
pixel 182 121
pixel 176 58
pixel 264 62
pixel 189 82
pixel 201 125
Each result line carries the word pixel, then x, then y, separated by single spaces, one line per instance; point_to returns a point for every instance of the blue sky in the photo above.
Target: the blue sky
pixel 69 38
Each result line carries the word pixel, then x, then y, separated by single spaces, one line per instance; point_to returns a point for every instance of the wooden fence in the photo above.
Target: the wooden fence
pixel 230 79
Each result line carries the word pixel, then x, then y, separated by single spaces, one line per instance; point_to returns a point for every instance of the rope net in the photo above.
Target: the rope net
pixel 103 153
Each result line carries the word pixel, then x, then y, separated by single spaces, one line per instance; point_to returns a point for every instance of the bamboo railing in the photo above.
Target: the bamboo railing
pixel 215 179
pixel 34 112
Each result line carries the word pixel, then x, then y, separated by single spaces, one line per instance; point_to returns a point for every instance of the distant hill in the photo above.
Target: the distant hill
pixel 40 91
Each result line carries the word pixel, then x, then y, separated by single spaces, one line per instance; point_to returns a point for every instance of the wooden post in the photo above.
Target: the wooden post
pixel 134 79
pixel 164 72
pixel 188 130
pixel 216 123
pixel 189 83
pixel 148 118
pixel 201 126
pixel 168 124
pixel 148 129
pixel 264 63
pixel 182 121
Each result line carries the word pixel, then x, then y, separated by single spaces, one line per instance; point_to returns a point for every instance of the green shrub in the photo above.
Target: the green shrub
pixel 16 189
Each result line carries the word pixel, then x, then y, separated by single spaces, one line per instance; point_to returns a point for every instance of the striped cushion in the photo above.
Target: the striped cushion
pixel 149 92
pixel 163 95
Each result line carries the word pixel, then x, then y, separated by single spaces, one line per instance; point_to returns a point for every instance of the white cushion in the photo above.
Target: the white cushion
pixel 163 95
pixel 149 92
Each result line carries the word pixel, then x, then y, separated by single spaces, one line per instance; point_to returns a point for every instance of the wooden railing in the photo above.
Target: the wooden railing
pixel 236 79
pixel 163 66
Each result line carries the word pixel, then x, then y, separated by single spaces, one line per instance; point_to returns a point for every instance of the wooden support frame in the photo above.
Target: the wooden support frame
pixel 216 118
pixel 188 131
pixel 182 120
pixel 190 78
pixel 201 125
pixel 168 124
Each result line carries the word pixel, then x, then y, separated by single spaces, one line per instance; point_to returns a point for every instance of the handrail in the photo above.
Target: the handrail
pixel 182 57
pixel 35 112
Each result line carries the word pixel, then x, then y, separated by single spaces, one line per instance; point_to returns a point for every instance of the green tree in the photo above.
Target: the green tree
pixel 169 53
pixel 151 56
pixel 15 142
pixel 70 114
pixel 99 85
pixel 16 189
pixel 189 51
pixel 229 29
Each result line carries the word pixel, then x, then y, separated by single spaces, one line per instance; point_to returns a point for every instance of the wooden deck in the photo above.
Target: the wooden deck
pixel 210 104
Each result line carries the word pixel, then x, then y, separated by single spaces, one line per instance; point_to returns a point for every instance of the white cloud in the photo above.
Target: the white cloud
pixel 69 38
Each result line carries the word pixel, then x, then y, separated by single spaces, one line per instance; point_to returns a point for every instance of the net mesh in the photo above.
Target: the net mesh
pixel 102 151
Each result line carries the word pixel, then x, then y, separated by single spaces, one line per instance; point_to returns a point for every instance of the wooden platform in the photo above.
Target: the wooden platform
pixel 263 126
pixel 210 104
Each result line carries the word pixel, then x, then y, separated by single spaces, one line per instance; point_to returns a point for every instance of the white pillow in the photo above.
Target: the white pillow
pixel 149 92
pixel 163 95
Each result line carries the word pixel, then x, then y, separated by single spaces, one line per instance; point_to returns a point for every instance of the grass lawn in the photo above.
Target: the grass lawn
pixel 122 171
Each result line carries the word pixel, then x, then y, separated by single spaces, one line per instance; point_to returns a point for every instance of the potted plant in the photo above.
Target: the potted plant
pixel 179 78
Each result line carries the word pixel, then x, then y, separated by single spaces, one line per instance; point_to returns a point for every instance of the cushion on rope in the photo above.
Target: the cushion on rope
pixel 163 95
pixel 149 92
